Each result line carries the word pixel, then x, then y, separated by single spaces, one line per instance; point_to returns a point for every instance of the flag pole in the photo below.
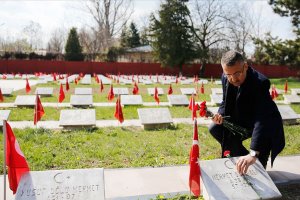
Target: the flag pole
pixel 4 159
pixel 35 109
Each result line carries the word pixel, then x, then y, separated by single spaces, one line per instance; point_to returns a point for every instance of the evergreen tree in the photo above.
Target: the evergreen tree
pixel 73 48
pixel 134 37
pixel 288 8
pixel 274 51
pixel 171 36
pixel 144 36
pixel 124 37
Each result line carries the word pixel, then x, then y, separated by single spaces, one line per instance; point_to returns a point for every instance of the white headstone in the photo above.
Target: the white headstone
pixel 216 91
pixel 77 118
pixel 291 99
pixel 7 91
pixel 131 100
pixel 222 181
pixel 147 82
pixel 25 100
pixel 79 184
pixel 81 100
pixel 204 81
pixel 188 91
pixel 121 91
pixel 83 91
pixel 86 79
pixel 44 91
pixel 152 118
pixel 159 90
pixel 218 82
pixel 178 100
pixel 4 114
pixel 295 91
pixel 288 114
pixel 216 99
pixel 187 81
pixel 42 81
pixel 105 80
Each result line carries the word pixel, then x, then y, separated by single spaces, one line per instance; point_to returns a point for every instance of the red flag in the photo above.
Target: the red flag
pixel 54 76
pixel 38 110
pixel 203 109
pixel 286 87
pixel 156 95
pixel 101 86
pixel 192 102
pixel 27 86
pixel 193 107
pixel 15 160
pixel 135 89
pixel 97 79
pixel 67 84
pixel 61 94
pixel 1 96
pixel 118 111
pixel 76 81
pixel 202 88
pixel 194 178
pixel 170 90
pixel 274 93
pixel 111 94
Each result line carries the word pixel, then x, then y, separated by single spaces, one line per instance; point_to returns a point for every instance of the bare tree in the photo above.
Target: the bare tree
pixel 34 32
pixel 210 22
pixel 241 28
pixel 91 42
pixel 110 16
pixel 56 41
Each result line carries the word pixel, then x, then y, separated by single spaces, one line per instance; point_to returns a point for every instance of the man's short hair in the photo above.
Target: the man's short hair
pixel 231 57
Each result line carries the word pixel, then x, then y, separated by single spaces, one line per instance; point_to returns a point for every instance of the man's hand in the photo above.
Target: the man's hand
pixel 217 119
pixel 244 162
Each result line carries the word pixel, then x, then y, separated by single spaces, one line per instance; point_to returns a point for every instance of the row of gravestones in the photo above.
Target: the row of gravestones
pixel 87 79
pixel 48 91
pixel 87 100
pixel 216 96
pixel 221 181
pixel 293 98
pixel 150 118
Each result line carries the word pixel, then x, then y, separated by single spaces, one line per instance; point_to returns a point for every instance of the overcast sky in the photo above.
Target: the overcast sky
pixel 16 14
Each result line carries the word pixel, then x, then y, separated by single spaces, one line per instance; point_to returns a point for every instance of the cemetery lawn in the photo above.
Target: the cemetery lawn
pixel 116 147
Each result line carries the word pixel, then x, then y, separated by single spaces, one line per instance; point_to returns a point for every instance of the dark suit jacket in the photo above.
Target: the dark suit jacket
pixel 255 110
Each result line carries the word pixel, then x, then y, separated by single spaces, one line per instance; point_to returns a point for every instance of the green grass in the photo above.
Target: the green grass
pixel 117 147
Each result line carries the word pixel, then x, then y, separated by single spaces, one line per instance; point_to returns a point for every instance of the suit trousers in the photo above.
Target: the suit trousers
pixel 234 143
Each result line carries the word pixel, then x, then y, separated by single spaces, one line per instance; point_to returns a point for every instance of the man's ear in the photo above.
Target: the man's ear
pixel 246 65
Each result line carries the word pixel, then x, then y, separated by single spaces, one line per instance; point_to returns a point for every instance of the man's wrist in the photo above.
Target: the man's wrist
pixel 254 153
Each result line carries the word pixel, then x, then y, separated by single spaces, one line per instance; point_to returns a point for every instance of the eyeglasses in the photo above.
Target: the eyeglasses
pixel 236 74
